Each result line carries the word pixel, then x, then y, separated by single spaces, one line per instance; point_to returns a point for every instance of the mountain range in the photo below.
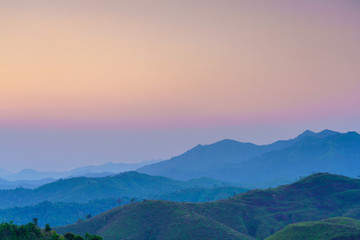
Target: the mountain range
pixel 30 178
pixel 261 166
pixel 247 164
pixel 63 213
pixel 82 189
pixel 256 214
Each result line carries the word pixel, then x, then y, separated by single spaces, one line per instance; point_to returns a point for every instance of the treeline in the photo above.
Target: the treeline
pixel 11 231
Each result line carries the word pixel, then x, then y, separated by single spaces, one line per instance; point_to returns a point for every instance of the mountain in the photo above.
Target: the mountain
pixel 59 213
pixel 335 153
pixel 202 194
pixel 254 214
pixel 266 165
pixel 108 168
pixel 31 184
pixel 82 189
pixel 328 229
pixel 203 160
pixel 62 213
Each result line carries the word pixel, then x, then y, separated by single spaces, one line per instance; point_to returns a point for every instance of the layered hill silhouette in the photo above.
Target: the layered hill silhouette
pixel 266 165
pixel 86 171
pixel 30 184
pixel 255 214
pixel 63 213
pixel 82 189
pixel 339 228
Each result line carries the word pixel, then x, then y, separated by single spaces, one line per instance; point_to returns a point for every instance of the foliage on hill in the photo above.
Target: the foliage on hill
pixel 339 228
pixel 202 194
pixel 82 189
pixel 257 213
pixel 60 213
pixel 156 220
pixel 30 231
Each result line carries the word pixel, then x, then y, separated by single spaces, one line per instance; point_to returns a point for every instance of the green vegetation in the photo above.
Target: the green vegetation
pixel 155 220
pixel 254 214
pixel 82 189
pixel 60 213
pixel 201 194
pixel 329 229
pixel 30 231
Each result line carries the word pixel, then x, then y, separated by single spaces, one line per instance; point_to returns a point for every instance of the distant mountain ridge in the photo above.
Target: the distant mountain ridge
pixel 81 189
pixel 30 184
pixel 255 214
pixel 101 170
pixel 266 165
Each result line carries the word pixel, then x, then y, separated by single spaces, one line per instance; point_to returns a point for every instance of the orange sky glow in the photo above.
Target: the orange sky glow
pixel 139 64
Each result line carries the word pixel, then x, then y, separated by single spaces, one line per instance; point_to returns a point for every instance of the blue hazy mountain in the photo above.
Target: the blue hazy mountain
pixel 82 189
pixel 266 165
pixel 256 214
pixel 87 171
pixel 30 184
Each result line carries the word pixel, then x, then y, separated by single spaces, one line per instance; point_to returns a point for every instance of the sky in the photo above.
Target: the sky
pixel 88 82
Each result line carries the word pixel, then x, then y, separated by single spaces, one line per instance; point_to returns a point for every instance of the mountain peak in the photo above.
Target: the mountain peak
pixel 326 133
pixel 227 141
pixel 306 134
pixel 320 179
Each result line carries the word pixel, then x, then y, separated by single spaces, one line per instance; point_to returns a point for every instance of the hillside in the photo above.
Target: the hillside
pixel 57 214
pixel 257 213
pixel 155 220
pixel 201 194
pixel 30 184
pixel 267 165
pixel 81 189
pixel 62 213
pixel 329 229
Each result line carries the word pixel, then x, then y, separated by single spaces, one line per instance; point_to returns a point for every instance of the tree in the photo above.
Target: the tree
pixel 47 228
pixel 69 236
pixel 77 237
pixel 92 237
pixel 35 221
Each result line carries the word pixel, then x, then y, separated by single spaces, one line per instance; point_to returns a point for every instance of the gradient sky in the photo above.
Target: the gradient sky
pixel 87 82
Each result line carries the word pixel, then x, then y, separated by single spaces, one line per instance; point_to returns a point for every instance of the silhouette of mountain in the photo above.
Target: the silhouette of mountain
pixel 339 228
pixel 267 165
pixel 30 184
pixel 254 214
pixel 111 168
pixel 82 189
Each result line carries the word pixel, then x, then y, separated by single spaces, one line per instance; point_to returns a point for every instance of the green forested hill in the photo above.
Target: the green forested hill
pixel 257 213
pixel 339 228
pixel 57 214
pixel 202 194
pixel 82 189
pixel 62 213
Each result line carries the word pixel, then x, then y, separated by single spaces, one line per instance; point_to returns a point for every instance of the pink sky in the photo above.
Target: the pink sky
pixel 141 65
